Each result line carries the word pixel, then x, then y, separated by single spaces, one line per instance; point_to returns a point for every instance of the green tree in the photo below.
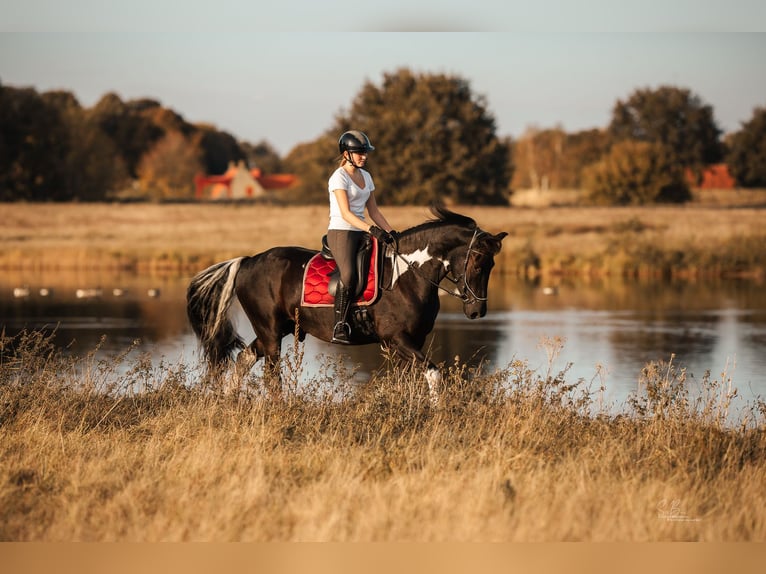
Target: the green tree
pixel 636 173
pixel 747 151
pixel 436 140
pixel 673 117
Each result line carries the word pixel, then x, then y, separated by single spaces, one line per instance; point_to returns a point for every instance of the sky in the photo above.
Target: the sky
pixel 283 76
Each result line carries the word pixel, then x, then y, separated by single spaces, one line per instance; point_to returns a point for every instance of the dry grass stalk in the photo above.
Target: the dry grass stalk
pixel 120 450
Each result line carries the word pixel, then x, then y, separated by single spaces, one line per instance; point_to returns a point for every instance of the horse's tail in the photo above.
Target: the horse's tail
pixel 208 299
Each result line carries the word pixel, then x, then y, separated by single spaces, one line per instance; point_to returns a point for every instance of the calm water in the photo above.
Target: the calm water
pixel 609 330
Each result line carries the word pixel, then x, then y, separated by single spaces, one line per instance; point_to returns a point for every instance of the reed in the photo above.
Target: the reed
pixel 118 449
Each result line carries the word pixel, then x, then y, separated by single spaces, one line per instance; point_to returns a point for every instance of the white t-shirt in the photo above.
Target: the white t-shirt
pixel 357 197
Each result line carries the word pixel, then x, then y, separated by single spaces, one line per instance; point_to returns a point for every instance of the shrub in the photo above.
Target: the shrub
pixel 636 173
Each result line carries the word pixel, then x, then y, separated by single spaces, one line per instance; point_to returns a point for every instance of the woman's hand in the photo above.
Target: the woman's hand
pixel 381 235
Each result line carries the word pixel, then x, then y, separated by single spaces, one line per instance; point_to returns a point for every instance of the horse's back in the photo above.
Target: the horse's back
pixel 273 277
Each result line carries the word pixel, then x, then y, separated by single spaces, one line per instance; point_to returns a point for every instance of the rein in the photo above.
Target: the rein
pixel 458 294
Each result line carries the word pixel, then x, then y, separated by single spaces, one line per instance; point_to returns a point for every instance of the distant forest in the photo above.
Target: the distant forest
pixel 435 139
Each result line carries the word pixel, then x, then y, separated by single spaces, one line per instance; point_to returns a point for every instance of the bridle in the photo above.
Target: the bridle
pixel 462 294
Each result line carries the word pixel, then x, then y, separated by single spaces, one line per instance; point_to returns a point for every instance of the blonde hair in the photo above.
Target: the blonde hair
pixel 342 159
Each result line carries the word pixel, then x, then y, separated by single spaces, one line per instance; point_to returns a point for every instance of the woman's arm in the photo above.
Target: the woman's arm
pixel 345 211
pixel 376 215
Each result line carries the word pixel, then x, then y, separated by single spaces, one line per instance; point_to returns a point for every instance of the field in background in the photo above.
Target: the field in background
pixel 716 234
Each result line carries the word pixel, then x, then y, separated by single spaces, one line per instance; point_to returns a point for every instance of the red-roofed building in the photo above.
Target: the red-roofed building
pixel 238 182
pixel 715 176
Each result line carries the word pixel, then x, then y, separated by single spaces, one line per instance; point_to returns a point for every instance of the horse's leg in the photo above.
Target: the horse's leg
pixel 408 350
pixel 272 376
pixel 247 358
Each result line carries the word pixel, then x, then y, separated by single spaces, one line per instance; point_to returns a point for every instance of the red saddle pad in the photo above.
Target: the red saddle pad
pixel 316 278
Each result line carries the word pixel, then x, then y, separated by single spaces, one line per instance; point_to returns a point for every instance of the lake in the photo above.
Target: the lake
pixel 609 329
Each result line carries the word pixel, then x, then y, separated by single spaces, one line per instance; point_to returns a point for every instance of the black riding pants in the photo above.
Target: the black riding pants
pixel 344 246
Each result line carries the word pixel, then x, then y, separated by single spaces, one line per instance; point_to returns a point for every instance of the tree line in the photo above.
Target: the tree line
pixel 436 138
pixel 54 149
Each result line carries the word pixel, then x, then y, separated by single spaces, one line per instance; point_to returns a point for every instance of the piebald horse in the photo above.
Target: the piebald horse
pixel 269 286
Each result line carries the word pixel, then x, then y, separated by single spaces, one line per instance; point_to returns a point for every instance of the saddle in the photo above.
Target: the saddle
pixel 321 276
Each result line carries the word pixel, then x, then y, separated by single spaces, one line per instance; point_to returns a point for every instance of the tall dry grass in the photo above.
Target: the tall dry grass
pixel 705 237
pixel 119 450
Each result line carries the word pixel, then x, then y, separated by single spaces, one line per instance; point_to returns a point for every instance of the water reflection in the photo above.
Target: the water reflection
pixel 611 329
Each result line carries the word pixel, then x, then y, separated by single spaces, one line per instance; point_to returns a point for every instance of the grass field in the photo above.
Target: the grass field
pixel 112 450
pixel 506 456
pixel 708 236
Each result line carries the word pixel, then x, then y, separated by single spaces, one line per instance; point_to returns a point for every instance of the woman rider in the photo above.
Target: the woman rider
pixel 351 191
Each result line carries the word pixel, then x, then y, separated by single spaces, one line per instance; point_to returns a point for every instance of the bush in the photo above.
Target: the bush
pixel 636 173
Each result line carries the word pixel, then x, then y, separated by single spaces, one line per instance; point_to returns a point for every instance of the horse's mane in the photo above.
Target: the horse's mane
pixel 443 216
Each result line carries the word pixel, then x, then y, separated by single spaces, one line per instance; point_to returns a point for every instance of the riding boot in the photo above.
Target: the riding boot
pixel 342 330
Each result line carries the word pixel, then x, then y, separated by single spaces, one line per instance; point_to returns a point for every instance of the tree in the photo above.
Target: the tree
pixel 91 164
pixel 747 151
pixel 436 140
pixel 538 156
pixel 674 118
pixel 636 173
pixel 581 149
pixel 218 149
pixel 132 132
pixel 553 159
pixel 263 156
pixel 33 139
pixel 168 170
pixel 312 163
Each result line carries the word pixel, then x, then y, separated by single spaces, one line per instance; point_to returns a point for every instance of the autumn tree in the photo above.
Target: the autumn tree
pixel 126 124
pixel 538 157
pixel 746 157
pixel 674 118
pixel 92 165
pixel 636 173
pixel 312 162
pixel 435 138
pixel 167 171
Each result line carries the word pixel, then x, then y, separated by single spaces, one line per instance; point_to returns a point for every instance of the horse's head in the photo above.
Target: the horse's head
pixel 477 264
pixel 464 252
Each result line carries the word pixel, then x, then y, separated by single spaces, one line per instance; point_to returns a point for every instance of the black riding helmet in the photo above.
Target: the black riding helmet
pixel 355 141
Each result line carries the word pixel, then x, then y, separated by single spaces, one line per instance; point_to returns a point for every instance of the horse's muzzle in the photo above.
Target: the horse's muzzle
pixel 475 310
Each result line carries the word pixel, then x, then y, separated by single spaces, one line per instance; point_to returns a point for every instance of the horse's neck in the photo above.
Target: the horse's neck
pixel 429 256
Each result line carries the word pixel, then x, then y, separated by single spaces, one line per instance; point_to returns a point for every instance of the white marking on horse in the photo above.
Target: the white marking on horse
pixel 434 379
pixel 403 262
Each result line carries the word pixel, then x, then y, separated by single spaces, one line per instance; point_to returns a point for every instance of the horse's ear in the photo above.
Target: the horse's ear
pixel 496 241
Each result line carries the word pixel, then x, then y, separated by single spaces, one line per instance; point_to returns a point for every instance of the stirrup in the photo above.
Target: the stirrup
pixel 341 333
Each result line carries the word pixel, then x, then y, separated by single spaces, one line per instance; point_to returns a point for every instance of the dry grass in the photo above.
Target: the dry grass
pixel 705 237
pixel 104 451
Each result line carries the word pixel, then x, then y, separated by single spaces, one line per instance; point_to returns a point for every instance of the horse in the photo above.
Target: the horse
pixel 269 285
